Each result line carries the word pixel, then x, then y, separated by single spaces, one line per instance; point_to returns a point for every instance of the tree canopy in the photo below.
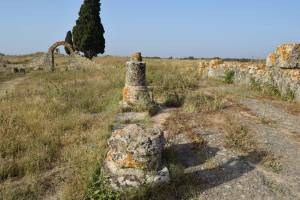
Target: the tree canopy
pixel 88 33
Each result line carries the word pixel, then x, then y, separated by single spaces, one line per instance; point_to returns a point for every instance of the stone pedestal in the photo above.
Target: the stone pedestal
pixel 135 92
pixel 135 157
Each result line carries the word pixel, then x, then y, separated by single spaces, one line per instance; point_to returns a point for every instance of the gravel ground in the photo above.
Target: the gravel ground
pixel 227 174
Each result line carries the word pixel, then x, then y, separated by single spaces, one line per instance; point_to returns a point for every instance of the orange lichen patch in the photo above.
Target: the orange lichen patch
pixel 294 74
pixel 263 66
pixel 137 57
pixel 272 58
pixel 283 52
pixel 203 64
pixel 125 94
pixel 129 162
pixel 216 62
pixel 119 132
pixel 260 72
pixel 109 155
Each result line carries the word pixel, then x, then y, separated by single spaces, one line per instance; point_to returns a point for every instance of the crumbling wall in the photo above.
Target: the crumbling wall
pixel 282 70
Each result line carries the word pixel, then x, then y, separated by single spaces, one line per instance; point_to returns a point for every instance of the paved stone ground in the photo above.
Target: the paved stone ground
pixel 226 174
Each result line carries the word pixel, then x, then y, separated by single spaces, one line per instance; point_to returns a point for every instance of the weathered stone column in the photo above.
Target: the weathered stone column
pixel 135 157
pixel 135 92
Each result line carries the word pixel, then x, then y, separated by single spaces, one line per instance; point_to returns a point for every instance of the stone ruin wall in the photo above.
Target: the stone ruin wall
pixel 76 62
pixel 281 69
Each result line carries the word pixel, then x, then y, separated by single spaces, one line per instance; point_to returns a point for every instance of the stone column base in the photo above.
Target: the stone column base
pixel 136 97
pixel 135 157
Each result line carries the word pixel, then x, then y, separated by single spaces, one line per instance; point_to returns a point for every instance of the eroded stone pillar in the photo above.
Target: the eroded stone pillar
pixel 135 92
pixel 135 157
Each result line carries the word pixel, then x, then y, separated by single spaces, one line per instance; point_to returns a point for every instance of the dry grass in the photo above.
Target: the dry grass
pixel 56 120
pixel 239 138
pixel 19 59
pixel 54 127
pixel 171 80
pixel 199 102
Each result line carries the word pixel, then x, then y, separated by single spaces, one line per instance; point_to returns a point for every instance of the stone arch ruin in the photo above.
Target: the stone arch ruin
pixel 49 59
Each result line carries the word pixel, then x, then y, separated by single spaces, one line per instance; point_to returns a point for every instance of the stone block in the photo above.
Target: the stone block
pixel 135 157
pixel 288 56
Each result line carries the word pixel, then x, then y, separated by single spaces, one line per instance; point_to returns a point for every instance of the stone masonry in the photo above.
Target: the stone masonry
pixel 135 92
pixel 282 70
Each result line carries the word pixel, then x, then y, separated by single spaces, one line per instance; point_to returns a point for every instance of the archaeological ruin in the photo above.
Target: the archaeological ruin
pixel 135 151
pixel 281 70
pixel 135 92
pixel 49 57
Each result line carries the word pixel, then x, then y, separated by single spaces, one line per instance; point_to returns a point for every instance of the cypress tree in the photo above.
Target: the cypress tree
pixel 88 33
pixel 69 40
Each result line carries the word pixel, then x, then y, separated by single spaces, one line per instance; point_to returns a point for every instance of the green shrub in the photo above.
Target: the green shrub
pixel 174 100
pixel 255 85
pixel 289 95
pixel 229 76
pixel 99 188
pixel 270 89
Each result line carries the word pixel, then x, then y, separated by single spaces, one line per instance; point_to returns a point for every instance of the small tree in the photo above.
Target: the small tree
pixel 88 33
pixel 69 40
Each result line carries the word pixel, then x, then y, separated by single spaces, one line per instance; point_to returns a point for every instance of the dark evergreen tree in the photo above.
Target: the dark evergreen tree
pixel 88 33
pixel 69 40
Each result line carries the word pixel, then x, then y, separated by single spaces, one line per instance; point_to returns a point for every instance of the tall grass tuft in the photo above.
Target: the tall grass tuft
pixel 199 102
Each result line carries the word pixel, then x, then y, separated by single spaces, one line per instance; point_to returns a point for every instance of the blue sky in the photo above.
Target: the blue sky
pixel 201 28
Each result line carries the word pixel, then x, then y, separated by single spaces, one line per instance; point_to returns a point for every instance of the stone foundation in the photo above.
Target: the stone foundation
pixel 280 70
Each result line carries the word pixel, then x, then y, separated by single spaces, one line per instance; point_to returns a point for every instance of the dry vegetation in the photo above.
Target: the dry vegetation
pixel 54 128
pixel 53 122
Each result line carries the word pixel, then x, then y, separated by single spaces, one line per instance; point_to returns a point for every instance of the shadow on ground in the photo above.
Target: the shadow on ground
pixel 183 156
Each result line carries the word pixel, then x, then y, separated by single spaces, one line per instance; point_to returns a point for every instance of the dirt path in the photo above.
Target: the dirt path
pixel 8 86
pixel 220 172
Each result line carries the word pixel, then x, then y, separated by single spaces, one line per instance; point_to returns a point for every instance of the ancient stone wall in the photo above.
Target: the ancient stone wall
pixel 282 70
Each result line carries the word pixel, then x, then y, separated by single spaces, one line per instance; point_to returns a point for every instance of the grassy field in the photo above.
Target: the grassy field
pixel 54 127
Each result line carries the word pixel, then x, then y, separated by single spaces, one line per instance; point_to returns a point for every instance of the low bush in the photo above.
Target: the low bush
pixel 229 77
